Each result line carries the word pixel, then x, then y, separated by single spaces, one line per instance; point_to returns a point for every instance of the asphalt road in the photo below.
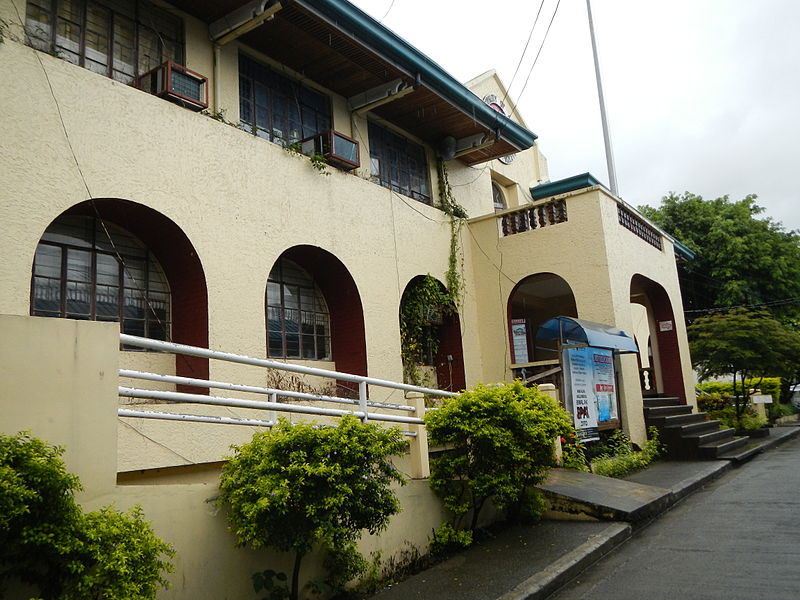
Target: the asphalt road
pixel 738 538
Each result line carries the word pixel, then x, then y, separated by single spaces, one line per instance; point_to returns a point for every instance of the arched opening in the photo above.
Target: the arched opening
pixel 534 300
pixel 313 310
pixel 664 374
pixel 114 260
pixel 430 331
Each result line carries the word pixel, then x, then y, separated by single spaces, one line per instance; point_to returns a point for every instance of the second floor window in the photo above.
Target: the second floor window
pixel 114 38
pixel 398 164
pixel 278 108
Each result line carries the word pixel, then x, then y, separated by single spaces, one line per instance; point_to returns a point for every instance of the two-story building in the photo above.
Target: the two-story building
pixel 155 175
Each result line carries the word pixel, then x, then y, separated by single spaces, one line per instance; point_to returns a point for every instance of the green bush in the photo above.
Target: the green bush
pixel 727 418
pixel 623 459
pixel 767 385
pixel 777 410
pixel 448 539
pixel 499 442
pixel 573 453
pixel 47 542
pixel 301 486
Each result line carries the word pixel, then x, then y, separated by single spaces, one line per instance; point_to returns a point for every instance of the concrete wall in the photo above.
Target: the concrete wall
pixel 61 385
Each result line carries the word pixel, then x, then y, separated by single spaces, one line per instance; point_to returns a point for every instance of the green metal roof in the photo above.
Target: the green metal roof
pixel 361 26
pixel 562 186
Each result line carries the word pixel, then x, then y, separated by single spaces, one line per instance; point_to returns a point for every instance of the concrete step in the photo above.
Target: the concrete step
pixel 689 429
pixel 740 455
pixel 653 401
pixel 716 450
pixel 711 437
pixel 671 420
pixel 652 412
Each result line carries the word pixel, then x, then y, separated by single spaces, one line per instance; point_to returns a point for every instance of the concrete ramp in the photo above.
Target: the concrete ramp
pixel 579 495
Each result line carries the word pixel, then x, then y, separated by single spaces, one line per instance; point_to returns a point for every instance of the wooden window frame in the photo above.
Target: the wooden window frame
pixel 49 43
pixel 397 156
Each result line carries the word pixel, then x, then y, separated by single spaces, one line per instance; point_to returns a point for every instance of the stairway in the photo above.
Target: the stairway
pixel 689 435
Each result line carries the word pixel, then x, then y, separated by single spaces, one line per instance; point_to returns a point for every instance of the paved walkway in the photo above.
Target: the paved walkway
pixel 531 562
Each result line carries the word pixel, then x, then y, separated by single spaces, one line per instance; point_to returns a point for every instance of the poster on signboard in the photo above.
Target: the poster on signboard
pixel 519 337
pixel 581 400
pixel 604 383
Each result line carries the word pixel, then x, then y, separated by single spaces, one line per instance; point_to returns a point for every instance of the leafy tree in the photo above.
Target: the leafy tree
pixel 500 441
pixel 39 520
pixel 743 259
pixel 745 345
pixel 46 540
pixel 299 486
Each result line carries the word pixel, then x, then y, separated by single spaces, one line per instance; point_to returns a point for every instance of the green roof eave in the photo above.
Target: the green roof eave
pixel 364 28
pixel 562 186
pixel 683 251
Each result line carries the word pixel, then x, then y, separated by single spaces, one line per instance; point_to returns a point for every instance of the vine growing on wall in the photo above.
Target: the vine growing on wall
pixel 425 303
pixel 448 204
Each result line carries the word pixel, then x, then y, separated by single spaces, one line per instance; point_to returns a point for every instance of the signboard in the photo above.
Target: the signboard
pixel 579 380
pixel 665 325
pixel 519 338
pixel 604 383
pixel 761 399
pixel 590 389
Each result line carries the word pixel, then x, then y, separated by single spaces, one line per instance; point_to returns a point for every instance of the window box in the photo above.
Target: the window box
pixel 178 84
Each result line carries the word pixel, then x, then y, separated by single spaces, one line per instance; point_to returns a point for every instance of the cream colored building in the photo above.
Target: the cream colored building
pixel 200 227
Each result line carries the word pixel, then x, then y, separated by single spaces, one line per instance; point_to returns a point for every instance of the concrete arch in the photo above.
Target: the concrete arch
pixel 662 342
pixel 348 337
pixel 182 268
pixel 535 299
pixel 448 362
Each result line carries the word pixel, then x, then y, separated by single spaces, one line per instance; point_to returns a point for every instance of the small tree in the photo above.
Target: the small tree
pixel 499 440
pixel 46 540
pixel 745 345
pixel 299 486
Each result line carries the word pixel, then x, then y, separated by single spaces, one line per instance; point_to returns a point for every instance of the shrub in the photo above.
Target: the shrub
pixel 448 539
pixel 499 442
pixel 624 459
pixel 767 385
pixel 573 453
pixel 299 486
pixel 46 541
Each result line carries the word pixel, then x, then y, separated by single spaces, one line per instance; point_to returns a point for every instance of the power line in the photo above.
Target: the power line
pixel 524 50
pixel 544 39
pixel 782 302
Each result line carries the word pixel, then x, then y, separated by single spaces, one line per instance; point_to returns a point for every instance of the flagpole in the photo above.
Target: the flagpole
pixel 612 173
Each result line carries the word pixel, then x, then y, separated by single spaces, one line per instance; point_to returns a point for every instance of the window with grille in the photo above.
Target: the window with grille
pixel 87 270
pixel 278 108
pixel 398 164
pixel 115 38
pixel 298 321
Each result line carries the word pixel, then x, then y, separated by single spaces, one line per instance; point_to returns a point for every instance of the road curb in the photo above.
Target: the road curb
pixel 690 484
pixel 567 567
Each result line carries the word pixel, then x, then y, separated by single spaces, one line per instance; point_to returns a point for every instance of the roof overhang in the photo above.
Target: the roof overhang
pixel 569 331
pixel 338 46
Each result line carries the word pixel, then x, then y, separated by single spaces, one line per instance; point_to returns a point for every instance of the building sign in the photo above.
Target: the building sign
pixel 579 381
pixel 519 339
pixel 591 392
pixel 665 325
pixel 761 399
pixel 605 390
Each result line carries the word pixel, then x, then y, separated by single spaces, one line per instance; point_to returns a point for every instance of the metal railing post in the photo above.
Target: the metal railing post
pixel 362 400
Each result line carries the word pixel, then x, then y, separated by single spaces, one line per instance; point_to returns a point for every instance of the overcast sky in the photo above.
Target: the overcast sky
pixel 701 95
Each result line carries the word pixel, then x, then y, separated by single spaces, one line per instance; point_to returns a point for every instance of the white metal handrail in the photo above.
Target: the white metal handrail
pixel 272 405
pixel 140 342
pixel 222 385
